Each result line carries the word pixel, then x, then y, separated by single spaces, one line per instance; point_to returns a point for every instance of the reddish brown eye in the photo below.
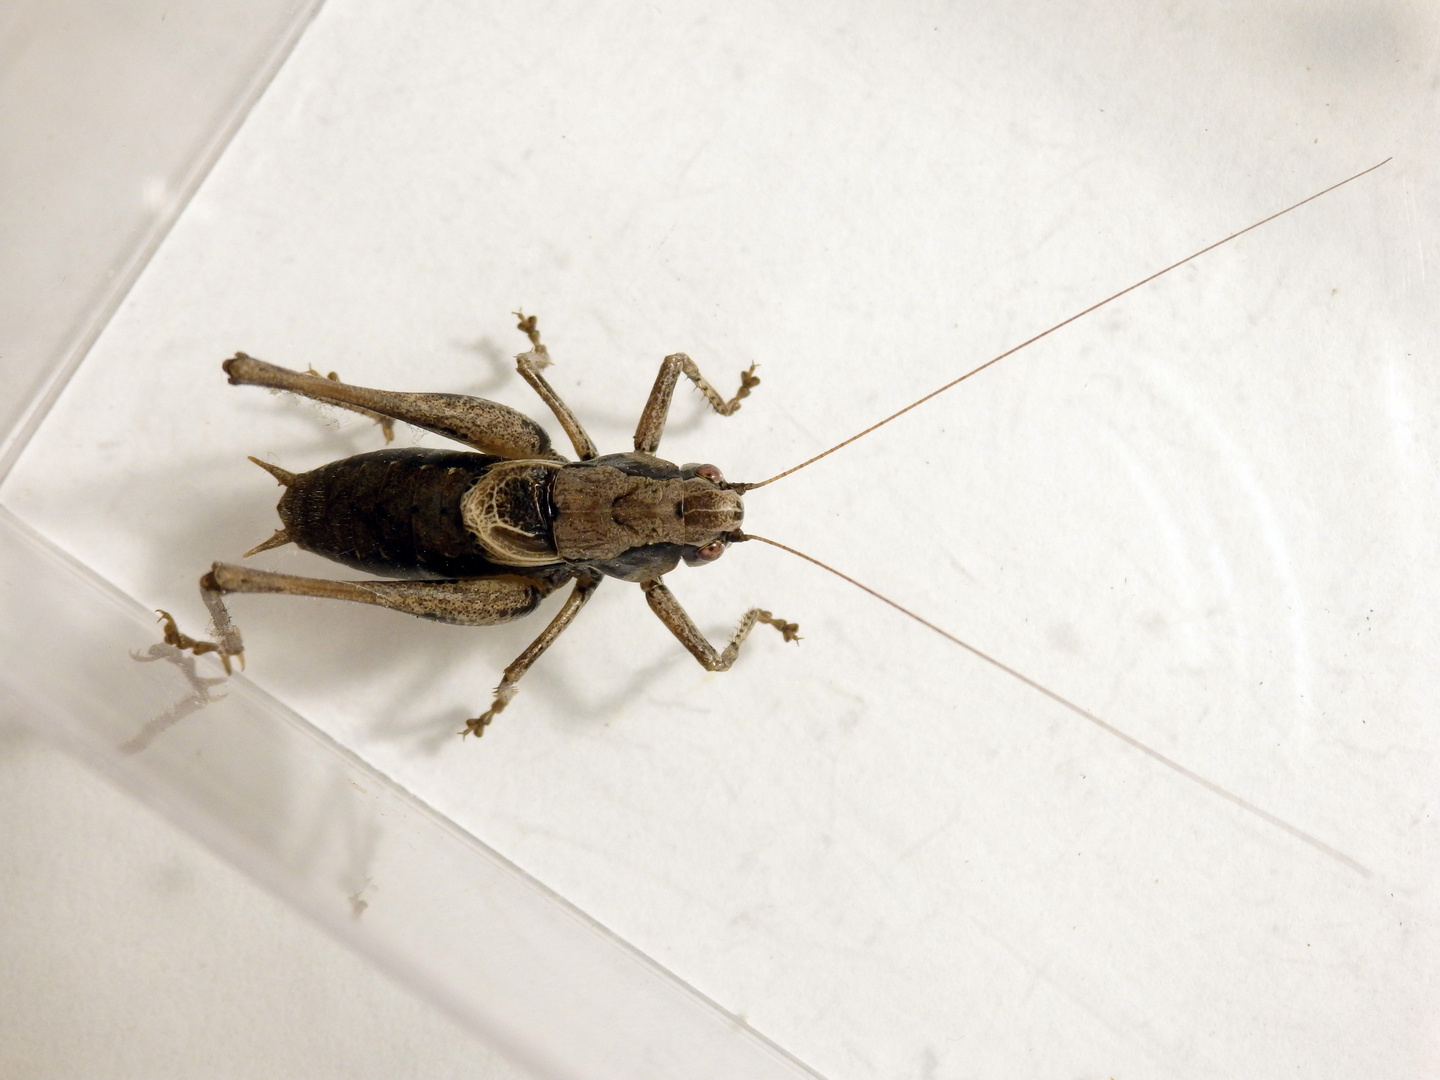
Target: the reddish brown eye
pixel 711 473
pixel 712 550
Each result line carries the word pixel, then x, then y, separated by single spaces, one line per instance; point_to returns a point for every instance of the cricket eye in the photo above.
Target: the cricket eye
pixel 711 473
pixel 711 551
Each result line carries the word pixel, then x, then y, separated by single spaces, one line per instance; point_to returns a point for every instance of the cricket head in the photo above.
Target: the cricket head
pixel 712 511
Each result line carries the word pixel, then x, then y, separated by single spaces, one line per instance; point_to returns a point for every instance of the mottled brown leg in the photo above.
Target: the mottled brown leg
pixel 584 587
pixel 227 642
pixel 199 646
pixel 529 364
pixel 387 425
pixel 487 426
pixel 463 602
pixel 657 408
pixel 662 601
pixel 469 602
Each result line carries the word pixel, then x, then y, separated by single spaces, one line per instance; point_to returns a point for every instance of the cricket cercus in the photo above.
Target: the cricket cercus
pixel 480 537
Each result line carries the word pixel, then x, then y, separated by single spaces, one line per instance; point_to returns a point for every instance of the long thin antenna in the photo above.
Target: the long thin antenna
pixel 1083 713
pixel 1057 326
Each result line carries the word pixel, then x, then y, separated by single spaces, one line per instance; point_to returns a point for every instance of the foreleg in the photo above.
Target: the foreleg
pixel 487 426
pixel 657 408
pixel 662 601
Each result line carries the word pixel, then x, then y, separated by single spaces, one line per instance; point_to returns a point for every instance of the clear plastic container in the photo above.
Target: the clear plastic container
pixel 1205 514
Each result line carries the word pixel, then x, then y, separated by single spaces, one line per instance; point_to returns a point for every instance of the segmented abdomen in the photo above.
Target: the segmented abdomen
pixel 391 512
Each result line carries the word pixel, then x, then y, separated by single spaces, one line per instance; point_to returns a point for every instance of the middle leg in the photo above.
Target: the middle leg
pixel 529 365
pixel 584 588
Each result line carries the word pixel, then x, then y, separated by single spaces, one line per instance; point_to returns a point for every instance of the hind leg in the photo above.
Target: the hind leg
pixel 387 425
pixel 465 602
pixel 228 643
pixel 487 426
pixel 473 602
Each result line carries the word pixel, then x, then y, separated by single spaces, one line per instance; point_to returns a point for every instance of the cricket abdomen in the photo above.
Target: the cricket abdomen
pixel 395 513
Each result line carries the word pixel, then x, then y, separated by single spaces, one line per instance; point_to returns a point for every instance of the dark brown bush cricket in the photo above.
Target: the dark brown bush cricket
pixel 480 537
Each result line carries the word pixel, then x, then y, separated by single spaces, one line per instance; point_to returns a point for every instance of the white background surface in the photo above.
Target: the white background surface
pixel 130 951
pixel 1207 513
